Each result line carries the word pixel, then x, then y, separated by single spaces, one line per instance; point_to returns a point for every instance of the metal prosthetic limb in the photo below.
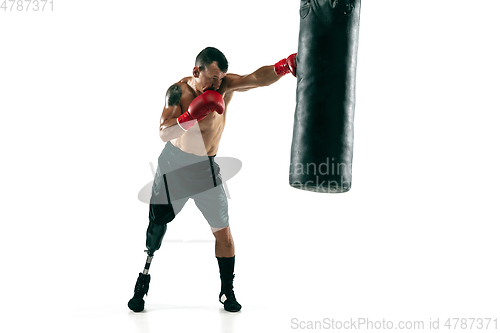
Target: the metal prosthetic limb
pixel 148 263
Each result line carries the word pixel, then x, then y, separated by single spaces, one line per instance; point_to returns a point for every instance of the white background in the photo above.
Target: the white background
pixel 81 92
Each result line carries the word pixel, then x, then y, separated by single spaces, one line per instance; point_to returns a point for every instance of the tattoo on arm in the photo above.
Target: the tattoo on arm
pixel 174 94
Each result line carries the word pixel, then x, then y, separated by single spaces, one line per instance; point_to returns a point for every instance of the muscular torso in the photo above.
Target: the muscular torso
pixel 204 137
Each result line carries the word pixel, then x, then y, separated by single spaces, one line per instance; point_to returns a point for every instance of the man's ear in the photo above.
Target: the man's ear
pixel 196 71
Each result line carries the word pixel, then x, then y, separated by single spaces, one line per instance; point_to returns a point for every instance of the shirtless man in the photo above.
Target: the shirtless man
pixel 191 124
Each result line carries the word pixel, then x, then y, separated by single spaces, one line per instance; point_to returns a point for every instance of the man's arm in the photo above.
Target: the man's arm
pixel 263 76
pixel 169 129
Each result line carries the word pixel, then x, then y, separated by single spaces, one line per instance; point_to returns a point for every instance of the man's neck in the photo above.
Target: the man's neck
pixel 192 84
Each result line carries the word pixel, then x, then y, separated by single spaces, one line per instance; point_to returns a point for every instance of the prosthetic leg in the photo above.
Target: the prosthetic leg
pixel 154 237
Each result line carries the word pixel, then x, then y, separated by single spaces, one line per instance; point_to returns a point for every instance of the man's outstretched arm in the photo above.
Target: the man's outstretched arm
pixel 263 76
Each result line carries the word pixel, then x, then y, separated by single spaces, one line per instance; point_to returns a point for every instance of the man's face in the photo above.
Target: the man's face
pixel 209 78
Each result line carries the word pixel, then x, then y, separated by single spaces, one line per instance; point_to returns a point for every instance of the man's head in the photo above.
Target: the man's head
pixel 210 68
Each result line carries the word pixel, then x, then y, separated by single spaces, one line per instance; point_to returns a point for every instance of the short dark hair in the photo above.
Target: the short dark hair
pixel 208 56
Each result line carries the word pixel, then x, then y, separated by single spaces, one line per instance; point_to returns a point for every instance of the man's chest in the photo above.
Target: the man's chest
pixel 212 122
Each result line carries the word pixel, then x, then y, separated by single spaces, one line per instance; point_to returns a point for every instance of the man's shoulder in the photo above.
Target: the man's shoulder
pixel 232 82
pixel 182 86
pixel 185 80
pixel 183 83
pixel 230 77
pixel 180 92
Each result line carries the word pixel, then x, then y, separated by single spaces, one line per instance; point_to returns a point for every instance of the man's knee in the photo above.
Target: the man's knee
pixel 214 230
pixel 223 235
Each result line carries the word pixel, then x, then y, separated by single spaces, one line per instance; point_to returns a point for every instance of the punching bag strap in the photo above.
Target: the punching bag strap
pixel 344 7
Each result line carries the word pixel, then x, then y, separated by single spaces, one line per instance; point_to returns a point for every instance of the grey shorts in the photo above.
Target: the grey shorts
pixel 181 176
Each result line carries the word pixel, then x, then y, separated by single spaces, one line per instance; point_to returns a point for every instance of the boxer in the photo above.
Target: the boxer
pixel 191 124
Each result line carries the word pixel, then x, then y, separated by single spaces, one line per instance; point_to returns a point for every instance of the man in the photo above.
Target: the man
pixel 191 124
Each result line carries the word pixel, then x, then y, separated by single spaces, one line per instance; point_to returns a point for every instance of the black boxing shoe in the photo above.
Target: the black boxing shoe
pixel 226 295
pixel 136 303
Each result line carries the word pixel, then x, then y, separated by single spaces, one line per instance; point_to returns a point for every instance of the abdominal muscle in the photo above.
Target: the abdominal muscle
pixel 203 138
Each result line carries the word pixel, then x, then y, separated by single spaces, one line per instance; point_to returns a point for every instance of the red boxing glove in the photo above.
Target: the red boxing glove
pixel 200 107
pixel 287 65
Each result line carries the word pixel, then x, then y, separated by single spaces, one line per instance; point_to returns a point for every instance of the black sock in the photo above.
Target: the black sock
pixel 226 296
pixel 226 267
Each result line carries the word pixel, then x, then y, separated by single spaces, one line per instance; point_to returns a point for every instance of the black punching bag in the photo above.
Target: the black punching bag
pixel 323 133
